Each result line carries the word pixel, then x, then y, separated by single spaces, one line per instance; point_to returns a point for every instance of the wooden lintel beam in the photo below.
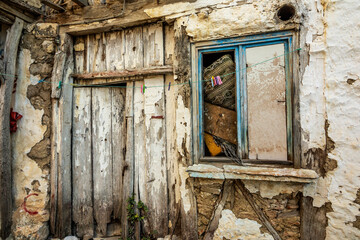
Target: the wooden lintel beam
pixel 81 3
pixel 5 20
pixel 52 5
pixel 15 12
pixel 126 73
pixel 23 5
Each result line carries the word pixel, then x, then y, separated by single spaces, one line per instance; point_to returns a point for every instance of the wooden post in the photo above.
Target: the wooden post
pixel 61 154
pixel 6 88
pixel 9 68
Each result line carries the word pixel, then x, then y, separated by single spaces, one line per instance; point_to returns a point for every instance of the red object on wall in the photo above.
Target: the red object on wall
pixel 14 117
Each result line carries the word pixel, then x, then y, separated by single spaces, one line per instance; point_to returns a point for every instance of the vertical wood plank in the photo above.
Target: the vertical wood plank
pixel 134 48
pixel 156 187
pixel 79 49
pixel 118 130
pixel 153 40
pixel 9 67
pixel 169 44
pixel 128 166
pixel 99 53
pixel 139 148
pixel 54 167
pixel 172 160
pixel 90 50
pixel 64 223
pixel 102 160
pixel 115 49
pixel 82 164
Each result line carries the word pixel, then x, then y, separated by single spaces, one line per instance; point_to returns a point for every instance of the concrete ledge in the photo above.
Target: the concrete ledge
pixel 252 173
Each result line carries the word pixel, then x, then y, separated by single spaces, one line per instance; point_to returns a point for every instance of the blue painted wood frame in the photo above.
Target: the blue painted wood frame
pixel 239 45
pixel 201 97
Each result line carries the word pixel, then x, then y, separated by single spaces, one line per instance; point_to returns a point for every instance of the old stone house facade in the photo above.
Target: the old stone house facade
pixel 228 119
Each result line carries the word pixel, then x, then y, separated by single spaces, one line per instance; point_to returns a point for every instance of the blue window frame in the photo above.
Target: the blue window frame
pixel 238 47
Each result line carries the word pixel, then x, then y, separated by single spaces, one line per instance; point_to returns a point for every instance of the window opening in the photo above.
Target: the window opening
pixel 248 118
pixel 219 116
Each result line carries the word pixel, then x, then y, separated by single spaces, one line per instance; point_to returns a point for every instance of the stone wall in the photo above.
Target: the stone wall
pixel 31 142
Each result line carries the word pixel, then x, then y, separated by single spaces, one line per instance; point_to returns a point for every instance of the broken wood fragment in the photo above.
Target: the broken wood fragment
pixel 81 3
pixel 52 5
pixel 220 204
pixel 220 122
pixel 263 218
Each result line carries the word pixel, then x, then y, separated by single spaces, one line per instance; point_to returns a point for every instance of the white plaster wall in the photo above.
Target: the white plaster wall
pixel 25 170
pixel 342 62
pixel 331 31
pixel 329 34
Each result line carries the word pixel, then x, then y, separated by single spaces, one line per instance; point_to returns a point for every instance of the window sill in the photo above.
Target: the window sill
pixel 252 173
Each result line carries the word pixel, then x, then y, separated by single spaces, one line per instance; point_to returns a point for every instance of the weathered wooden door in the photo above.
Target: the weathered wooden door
pixel 100 174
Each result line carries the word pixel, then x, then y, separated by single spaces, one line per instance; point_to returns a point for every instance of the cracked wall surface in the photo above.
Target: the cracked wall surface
pixel 31 142
pixel 328 75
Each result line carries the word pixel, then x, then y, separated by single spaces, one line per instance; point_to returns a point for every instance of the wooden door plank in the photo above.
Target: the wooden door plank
pixel 134 48
pixel 118 131
pixel 64 223
pixel 153 40
pixel 79 51
pixel 171 153
pixel 156 162
pixel 102 160
pixel 139 148
pixel 128 184
pixel 90 53
pixel 82 164
pixel 169 44
pixel 115 49
pixel 99 53
pixel 9 67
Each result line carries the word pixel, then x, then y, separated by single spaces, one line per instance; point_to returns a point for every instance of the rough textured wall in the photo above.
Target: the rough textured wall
pixel 329 99
pixel 279 201
pixel 31 142
pixel 342 85
pixel 328 76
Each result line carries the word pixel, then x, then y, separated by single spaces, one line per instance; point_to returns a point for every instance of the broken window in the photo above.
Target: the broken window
pixel 247 116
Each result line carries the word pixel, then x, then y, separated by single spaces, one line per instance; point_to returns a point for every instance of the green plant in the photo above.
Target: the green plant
pixel 136 212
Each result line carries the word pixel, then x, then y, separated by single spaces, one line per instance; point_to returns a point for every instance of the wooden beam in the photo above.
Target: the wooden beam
pixel 52 5
pixel 8 15
pixel 220 204
pixel 5 20
pixel 23 5
pixel 17 13
pixel 126 73
pixel 81 3
pixel 9 67
pixel 263 218
pixel 133 18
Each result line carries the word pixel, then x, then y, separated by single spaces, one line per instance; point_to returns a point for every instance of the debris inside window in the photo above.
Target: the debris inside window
pixel 220 132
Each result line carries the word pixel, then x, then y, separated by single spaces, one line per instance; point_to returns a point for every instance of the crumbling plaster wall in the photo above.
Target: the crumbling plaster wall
pixel 329 82
pixel 328 76
pixel 31 141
